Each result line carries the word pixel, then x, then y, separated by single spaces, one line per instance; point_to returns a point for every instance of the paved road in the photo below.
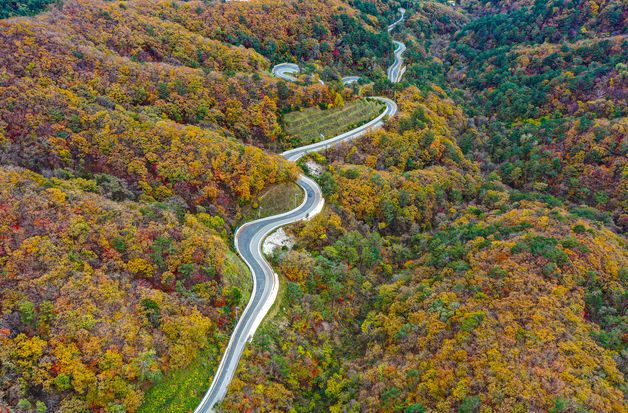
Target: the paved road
pixel 396 71
pixel 389 111
pixel 248 240
pixel 392 26
pixel 347 80
pixel 283 70
pixel 250 237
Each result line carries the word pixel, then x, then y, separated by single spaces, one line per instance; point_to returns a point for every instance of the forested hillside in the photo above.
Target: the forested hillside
pixel 100 298
pixel 545 85
pixel 326 31
pixel 10 8
pixel 128 135
pixel 427 286
pixel 471 255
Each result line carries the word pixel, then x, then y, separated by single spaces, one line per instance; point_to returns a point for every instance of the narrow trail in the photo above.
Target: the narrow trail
pixel 250 236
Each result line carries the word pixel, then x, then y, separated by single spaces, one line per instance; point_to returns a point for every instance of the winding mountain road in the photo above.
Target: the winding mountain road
pixel 284 70
pixel 347 80
pixel 393 25
pixel 250 237
pixel 396 71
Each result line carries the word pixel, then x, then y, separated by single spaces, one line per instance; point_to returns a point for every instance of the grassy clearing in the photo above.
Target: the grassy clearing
pixel 277 309
pixel 275 200
pixel 182 390
pixel 237 274
pixel 307 125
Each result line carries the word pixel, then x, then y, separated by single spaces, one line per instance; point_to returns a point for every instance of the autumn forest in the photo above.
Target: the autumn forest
pixel 471 255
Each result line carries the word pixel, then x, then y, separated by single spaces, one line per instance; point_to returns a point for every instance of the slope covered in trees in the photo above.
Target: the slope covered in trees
pixel 545 84
pixel 427 285
pixel 101 298
pixel 328 31
pixel 77 97
pixel 10 8
pixel 493 309
pixel 470 256
pixel 126 151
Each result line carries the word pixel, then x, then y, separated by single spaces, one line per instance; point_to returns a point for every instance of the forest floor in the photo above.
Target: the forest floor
pixel 307 125
pixel 239 276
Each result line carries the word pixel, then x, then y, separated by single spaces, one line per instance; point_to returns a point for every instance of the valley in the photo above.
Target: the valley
pixel 448 179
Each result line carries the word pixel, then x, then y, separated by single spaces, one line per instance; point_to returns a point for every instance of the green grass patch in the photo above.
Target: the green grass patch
pixel 277 309
pixel 237 274
pixel 275 200
pixel 182 390
pixel 307 125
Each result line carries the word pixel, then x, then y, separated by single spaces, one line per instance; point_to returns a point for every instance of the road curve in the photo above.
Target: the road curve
pixel 347 80
pixel 393 25
pixel 389 111
pixel 248 241
pixel 284 70
pixel 250 236
pixel 396 71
